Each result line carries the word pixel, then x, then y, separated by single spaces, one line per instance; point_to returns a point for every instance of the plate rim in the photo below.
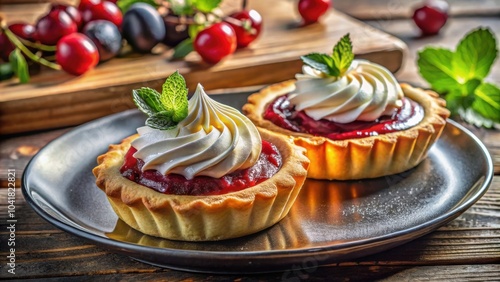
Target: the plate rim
pixel 128 248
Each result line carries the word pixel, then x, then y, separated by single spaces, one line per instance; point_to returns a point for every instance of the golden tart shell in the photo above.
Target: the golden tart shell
pixel 359 158
pixel 203 218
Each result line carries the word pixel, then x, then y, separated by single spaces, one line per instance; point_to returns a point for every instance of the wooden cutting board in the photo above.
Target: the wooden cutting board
pixel 55 99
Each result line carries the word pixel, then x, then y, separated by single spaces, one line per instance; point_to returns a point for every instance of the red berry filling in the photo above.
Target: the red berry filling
pixel 283 114
pixel 267 165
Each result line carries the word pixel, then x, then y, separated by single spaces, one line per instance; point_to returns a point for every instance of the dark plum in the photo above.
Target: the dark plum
pixel 175 32
pixel 106 37
pixel 143 27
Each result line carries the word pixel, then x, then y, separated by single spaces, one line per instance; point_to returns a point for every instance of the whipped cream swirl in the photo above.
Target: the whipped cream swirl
pixel 213 140
pixel 365 92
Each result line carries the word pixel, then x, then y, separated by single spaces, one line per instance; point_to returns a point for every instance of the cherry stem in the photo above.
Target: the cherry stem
pixel 241 23
pixel 38 46
pixel 14 40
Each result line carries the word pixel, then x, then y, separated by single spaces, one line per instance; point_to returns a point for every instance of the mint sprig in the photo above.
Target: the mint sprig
pixel 166 109
pixel 459 75
pixel 335 64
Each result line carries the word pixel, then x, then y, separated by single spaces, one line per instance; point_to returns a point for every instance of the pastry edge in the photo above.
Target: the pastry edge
pixel 360 158
pixel 203 218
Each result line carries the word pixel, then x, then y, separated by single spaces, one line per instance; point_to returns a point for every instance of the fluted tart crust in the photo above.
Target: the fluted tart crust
pixel 203 218
pixel 358 158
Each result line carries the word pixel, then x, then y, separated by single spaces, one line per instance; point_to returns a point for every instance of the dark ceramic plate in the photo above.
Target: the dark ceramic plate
pixel 330 221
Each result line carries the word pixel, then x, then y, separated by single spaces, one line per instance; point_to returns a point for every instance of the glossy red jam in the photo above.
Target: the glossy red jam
pixel 283 114
pixel 267 165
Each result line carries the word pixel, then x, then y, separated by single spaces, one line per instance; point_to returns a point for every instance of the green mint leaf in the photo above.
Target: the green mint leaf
pixel 435 66
pixel 456 100
pixel 147 100
pixel 167 109
pixel 174 97
pixel 475 55
pixel 161 120
pixel 124 5
pixel 321 62
pixel 487 101
pixel 342 54
pixel 19 66
pixel 183 49
pixel 470 87
pixel 206 6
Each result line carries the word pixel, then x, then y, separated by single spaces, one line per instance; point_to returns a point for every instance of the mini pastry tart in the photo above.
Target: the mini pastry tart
pixel 203 218
pixel 358 158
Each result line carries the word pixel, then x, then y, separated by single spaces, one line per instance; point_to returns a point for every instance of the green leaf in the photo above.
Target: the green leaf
pixel 161 120
pixel 6 71
pixel 487 102
pixel 321 62
pixel 475 55
pixel 19 66
pixel 194 29
pixel 435 66
pixel 181 7
pixel 456 100
pixel 167 109
pixel 124 5
pixel 470 87
pixel 206 6
pixel 174 97
pixel 342 54
pixel 183 49
pixel 147 100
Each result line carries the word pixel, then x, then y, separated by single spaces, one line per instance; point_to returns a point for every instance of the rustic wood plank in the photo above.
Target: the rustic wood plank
pixel 487 272
pixel 51 96
pixel 466 249
pixel 471 239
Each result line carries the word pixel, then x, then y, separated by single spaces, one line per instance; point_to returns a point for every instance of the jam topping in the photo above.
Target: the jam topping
pixel 282 113
pixel 268 163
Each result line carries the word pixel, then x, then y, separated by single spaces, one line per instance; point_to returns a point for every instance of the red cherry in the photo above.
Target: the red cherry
pixel 53 26
pixel 23 30
pixel 103 11
pixel 72 11
pixel 432 16
pixel 248 29
pixel 215 42
pixel 84 4
pixel 311 10
pixel 76 53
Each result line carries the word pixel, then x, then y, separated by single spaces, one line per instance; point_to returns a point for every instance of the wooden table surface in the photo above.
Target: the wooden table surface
pixel 466 249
